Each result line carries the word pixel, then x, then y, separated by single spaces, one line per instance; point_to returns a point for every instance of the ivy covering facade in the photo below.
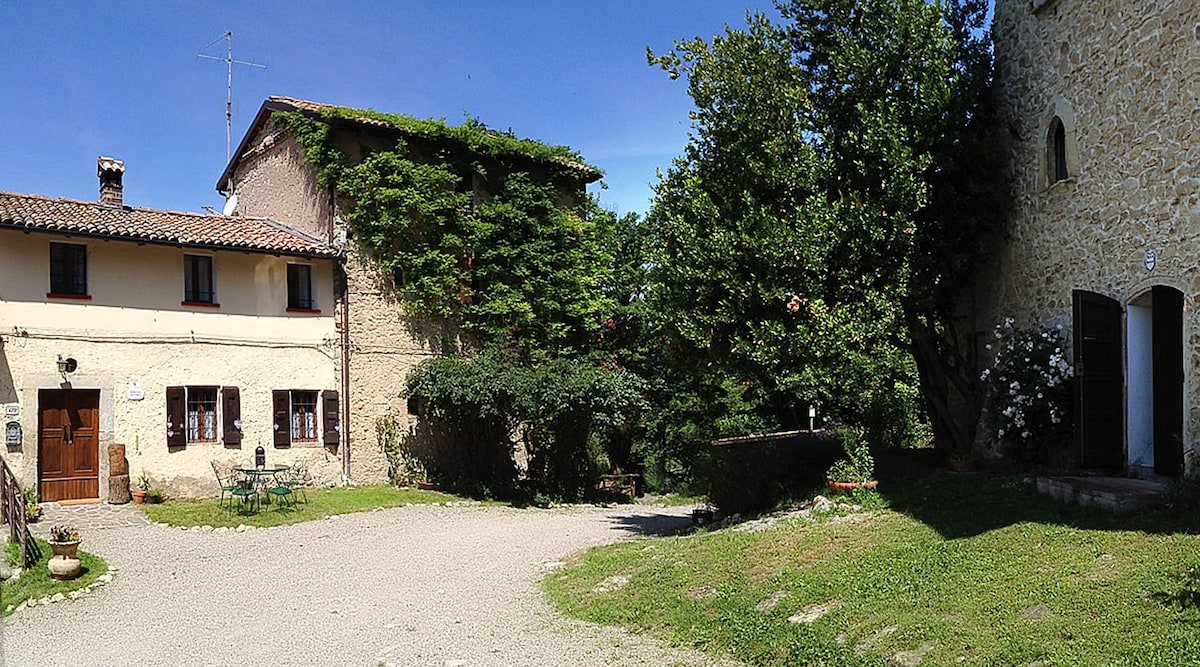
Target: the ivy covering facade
pixel 481 229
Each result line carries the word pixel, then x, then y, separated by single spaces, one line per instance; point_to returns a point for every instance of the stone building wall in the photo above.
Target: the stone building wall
pixel 274 180
pixel 1123 78
pixel 385 343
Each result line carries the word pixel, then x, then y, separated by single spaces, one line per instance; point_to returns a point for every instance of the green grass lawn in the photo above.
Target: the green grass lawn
pixel 322 502
pixel 36 581
pixel 970 570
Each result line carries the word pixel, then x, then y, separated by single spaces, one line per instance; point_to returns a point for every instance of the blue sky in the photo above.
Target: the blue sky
pixel 122 78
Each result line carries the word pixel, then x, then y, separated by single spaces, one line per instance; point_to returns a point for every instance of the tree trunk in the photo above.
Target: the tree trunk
pixel 118 475
pixel 953 395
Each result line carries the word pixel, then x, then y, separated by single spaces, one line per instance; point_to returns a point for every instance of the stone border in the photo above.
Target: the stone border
pixel 60 597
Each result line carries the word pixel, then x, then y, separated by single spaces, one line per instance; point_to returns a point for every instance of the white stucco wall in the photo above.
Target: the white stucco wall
pixel 134 329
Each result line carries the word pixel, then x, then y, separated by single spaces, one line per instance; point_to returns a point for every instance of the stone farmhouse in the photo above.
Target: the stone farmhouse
pixel 196 337
pixel 1100 100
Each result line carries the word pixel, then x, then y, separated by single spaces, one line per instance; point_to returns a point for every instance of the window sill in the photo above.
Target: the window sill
pixel 1061 184
pixel 311 311
pixel 77 297
pixel 200 304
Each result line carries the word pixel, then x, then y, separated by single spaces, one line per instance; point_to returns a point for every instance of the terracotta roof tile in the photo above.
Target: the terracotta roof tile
pixel 146 225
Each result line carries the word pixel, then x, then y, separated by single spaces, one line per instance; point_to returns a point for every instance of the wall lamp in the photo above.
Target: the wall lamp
pixel 67 365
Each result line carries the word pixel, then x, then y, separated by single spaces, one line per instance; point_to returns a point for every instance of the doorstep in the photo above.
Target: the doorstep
pixel 1116 495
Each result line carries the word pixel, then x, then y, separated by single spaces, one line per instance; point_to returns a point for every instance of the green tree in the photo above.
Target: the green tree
pixel 814 238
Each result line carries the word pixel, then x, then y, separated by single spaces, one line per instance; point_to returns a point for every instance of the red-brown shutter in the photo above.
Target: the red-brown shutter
pixel 176 416
pixel 281 399
pixel 329 399
pixel 231 415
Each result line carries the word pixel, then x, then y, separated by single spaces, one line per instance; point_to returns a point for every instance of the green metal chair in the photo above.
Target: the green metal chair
pixel 241 488
pixel 280 489
pixel 226 480
pixel 299 478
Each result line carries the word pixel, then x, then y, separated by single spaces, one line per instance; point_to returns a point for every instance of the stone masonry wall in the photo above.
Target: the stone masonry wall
pixel 385 343
pixel 1124 79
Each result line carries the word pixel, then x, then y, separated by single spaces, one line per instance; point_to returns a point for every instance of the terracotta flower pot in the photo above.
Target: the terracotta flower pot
pixel 139 497
pixel 426 486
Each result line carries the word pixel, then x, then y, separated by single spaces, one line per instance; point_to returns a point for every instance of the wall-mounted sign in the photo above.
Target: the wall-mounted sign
pixel 12 434
pixel 12 410
pixel 1151 260
pixel 135 392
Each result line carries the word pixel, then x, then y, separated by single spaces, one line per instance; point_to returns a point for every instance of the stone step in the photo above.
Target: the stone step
pixel 1116 495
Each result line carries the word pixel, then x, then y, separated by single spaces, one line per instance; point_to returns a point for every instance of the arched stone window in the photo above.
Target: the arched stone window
pixel 1058 169
pixel 1059 149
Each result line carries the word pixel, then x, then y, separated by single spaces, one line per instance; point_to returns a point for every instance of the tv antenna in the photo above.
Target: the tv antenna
pixel 229 63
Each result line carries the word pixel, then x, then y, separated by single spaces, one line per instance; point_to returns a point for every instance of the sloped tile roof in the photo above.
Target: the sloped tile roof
pixel 146 225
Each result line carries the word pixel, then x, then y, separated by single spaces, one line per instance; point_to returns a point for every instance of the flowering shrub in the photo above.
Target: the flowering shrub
pixel 1029 388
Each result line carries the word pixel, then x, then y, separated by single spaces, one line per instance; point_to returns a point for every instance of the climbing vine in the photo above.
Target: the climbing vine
pixel 454 213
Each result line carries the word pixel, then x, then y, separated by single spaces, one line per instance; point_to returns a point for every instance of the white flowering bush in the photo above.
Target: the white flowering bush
pixel 1029 395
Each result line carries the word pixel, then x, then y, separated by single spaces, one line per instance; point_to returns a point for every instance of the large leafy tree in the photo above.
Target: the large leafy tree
pixel 815 237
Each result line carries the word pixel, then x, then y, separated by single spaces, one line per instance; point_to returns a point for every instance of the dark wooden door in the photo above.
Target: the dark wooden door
pixel 68 444
pixel 1100 383
pixel 1167 340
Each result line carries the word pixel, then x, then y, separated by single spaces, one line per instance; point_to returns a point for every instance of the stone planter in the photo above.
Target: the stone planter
pixel 65 549
pixel 65 563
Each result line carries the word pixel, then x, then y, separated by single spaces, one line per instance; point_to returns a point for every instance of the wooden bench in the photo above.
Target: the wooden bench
pixel 624 483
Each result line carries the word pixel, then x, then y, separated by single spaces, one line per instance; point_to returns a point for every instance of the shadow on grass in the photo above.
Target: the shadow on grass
pixel 969 504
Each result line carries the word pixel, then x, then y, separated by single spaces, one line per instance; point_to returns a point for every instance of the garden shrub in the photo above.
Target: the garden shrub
pixel 1029 391
pixel 561 417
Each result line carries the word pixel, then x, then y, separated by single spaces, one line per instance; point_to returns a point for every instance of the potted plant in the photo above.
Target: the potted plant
pixel 858 468
pixel 154 496
pixel 33 510
pixel 139 496
pixel 64 541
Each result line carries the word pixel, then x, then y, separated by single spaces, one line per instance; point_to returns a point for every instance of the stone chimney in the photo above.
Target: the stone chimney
pixel 111 171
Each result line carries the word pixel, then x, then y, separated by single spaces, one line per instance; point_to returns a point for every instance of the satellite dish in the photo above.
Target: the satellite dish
pixel 230 205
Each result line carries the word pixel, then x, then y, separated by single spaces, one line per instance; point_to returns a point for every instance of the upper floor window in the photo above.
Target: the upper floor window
pixel 1058 151
pixel 198 279
pixel 68 269
pixel 300 288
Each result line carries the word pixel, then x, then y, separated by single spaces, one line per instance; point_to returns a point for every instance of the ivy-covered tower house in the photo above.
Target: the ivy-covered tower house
pixel 390 192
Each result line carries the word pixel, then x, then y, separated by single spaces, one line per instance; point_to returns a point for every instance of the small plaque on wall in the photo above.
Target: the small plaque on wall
pixel 12 410
pixel 1150 260
pixel 135 392
pixel 12 434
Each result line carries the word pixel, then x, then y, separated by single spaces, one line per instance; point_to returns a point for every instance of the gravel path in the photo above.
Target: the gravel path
pixel 421 585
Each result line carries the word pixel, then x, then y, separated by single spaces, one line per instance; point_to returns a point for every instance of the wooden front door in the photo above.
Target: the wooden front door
pixel 68 444
pixel 1100 381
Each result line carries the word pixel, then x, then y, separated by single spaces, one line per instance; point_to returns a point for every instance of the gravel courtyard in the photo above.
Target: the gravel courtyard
pixel 420 585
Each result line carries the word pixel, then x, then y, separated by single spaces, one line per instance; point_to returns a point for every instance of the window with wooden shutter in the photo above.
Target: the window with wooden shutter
pixel 231 416
pixel 281 408
pixel 176 416
pixel 329 416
